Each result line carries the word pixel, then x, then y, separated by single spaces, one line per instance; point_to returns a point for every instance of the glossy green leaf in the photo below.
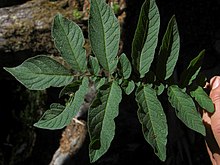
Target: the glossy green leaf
pixel 59 116
pixel 153 120
pixel 203 99
pixel 192 70
pixel 104 34
pixel 94 65
pixel 146 37
pixel 169 51
pixel 41 72
pixel 69 40
pixel 185 109
pixel 125 66
pixel 101 115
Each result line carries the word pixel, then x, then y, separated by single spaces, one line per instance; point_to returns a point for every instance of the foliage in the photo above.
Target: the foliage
pixel 149 75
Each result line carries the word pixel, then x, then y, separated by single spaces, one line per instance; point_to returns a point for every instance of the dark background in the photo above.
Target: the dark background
pixel 20 143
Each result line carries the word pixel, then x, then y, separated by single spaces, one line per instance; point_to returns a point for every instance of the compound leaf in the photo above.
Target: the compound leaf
pixel 104 34
pixel 203 99
pixel 69 40
pixel 41 72
pixel 146 37
pixel 153 120
pixel 59 116
pixel 185 109
pixel 101 117
pixel 169 51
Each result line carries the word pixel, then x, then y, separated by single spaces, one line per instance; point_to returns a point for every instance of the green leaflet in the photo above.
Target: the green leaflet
pixel 69 40
pixel 101 125
pixel 146 37
pixel 41 72
pixel 203 99
pixel 94 65
pixel 128 86
pixel 192 70
pixel 169 51
pixel 125 66
pixel 70 88
pixel 99 82
pixel 104 34
pixel 153 120
pixel 59 116
pixel 185 109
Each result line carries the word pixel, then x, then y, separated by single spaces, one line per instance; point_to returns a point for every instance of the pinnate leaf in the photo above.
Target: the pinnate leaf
pixel 101 115
pixel 203 99
pixel 104 34
pixel 41 72
pixel 185 109
pixel 146 37
pixel 153 120
pixel 69 40
pixel 59 116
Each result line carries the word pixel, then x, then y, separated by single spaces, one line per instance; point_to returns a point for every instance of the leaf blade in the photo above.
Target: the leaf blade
pixel 125 66
pixel 101 119
pixel 65 115
pixel 153 120
pixel 41 72
pixel 69 40
pixel 104 34
pixel 146 37
pixel 203 99
pixel 192 70
pixel 169 51
pixel 185 109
